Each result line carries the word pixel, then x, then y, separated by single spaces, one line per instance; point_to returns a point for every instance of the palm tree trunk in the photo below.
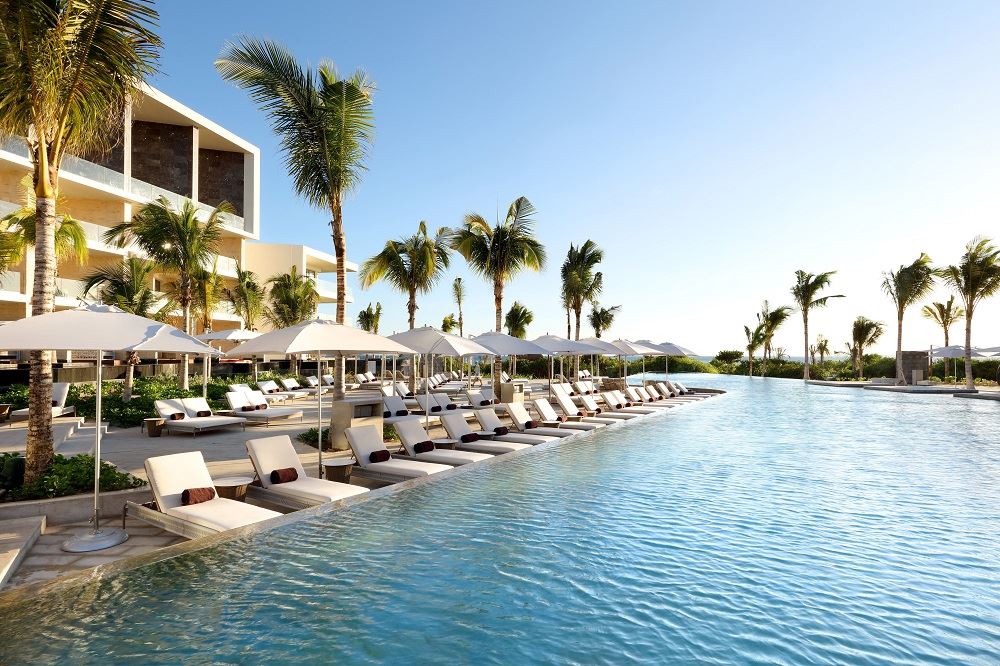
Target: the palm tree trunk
pixel 185 359
pixel 38 448
pixel 900 379
pixel 569 327
pixel 497 363
pixel 340 252
pixel 131 361
pixel 969 383
pixel 750 367
pixel 945 344
pixel 805 336
pixel 411 309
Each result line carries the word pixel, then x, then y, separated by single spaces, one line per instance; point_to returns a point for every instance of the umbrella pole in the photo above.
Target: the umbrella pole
pixel 319 418
pixel 205 361
pixel 97 539
pixel 427 396
pixel 550 377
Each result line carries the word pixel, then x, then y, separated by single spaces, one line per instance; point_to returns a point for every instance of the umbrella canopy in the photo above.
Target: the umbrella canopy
pixel 987 350
pixel 956 351
pixel 501 344
pixel 553 344
pixel 319 335
pixel 668 348
pixel 429 340
pixel 229 335
pixel 636 349
pixel 98 328
pixel 605 347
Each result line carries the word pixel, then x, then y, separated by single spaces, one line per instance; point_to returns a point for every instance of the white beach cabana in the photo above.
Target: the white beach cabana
pixel 316 336
pixel 97 328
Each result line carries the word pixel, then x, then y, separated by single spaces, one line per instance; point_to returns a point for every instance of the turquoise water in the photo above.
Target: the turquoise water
pixel 780 523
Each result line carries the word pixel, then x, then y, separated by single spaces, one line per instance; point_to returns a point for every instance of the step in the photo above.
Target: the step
pixel 17 536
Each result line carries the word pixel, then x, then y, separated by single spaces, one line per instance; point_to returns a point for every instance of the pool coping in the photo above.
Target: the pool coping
pixel 26 592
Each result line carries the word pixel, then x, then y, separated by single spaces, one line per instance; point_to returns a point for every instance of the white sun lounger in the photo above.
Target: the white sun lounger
pixel 616 401
pixel 490 422
pixel 569 408
pixel 245 388
pixel 169 476
pixel 366 440
pixel 523 422
pixel 633 396
pixel 253 407
pixel 481 442
pixel 272 453
pixel 396 409
pixel 315 384
pixel 191 422
pixel 60 392
pixel 268 387
pixel 413 435
pixel 292 386
pixel 549 418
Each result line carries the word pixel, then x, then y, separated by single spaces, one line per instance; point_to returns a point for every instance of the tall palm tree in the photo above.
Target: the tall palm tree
pixel 209 290
pixel 448 323
pixel 864 334
pixel 458 291
pixel 518 319
pixel 770 321
pixel 67 73
pixel 410 265
pixel 369 318
pixel 581 284
pixel 126 285
pixel 326 123
pixel 293 298
pixel 500 252
pixel 755 339
pixel 601 319
pixel 177 241
pixel 806 290
pixel 975 278
pixel 944 315
pixel 247 298
pixel 822 348
pixel 19 227
pixel 905 286
pixel 812 354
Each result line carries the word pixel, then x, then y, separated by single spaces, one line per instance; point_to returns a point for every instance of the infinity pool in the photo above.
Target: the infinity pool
pixel 780 523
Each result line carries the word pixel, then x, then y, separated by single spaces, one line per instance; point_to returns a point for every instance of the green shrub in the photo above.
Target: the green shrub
pixel 16 396
pixel 73 476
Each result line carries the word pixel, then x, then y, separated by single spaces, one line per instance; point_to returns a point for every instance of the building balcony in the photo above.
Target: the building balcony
pixel 10 285
pixel 327 290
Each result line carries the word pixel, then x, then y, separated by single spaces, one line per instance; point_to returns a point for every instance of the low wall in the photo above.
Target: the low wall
pixel 75 508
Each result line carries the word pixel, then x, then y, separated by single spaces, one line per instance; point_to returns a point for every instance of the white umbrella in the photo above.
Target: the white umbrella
pixel 501 344
pixel 557 346
pixel 609 349
pixel 428 340
pixel 637 349
pixel 958 351
pixel 97 328
pixel 315 336
pixel 669 349
pixel 227 335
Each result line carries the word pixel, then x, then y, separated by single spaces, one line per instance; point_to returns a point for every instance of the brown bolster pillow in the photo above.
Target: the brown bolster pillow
pixel 452 406
pixel 203 413
pixel 197 495
pixel 484 403
pixel 261 406
pixel 402 412
pixel 597 411
pixel 386 414
pixel 379 456
pixel 470 437
pixel 177 416
pixel 248 408
pixel 500 430
pixel 562 418
pixel 528 425
pixel 423 447
pixel 435 408
pixel 55 403
pixel 284 475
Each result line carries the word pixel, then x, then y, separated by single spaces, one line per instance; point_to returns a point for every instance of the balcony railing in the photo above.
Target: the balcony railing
pixel 10 281
pixel 224 265
pixel 69 288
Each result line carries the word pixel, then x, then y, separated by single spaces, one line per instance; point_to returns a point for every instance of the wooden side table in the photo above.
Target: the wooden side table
pixel 232 487
pixel 338 469
pixel 154 426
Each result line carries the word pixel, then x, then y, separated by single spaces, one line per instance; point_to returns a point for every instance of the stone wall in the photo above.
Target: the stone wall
pixel 914 360
pixel 163 155
pixel 220 178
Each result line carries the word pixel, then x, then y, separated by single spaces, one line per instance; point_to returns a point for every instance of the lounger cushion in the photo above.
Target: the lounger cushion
pixel 495 448
pixel 222 514
pixel 197 495
pixel 318 490
pixel 448 457
pixel 284 475
pixel 408 468
pixel 379 456
pixel 206 422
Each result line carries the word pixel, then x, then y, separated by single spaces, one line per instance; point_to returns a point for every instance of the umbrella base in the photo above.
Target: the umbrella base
pixel 98 540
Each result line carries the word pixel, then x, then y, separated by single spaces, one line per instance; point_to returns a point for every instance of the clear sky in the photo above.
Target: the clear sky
pixel 711 149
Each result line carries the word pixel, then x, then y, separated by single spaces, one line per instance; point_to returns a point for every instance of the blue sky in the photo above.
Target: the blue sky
pixel 711 149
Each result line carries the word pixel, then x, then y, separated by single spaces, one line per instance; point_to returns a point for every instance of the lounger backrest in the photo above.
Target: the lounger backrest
pixel 240 388
pixel 267 386
pixel 455 425
pixel 256 398
pixel 237 400
pixel 476 398
pixel 364 441
pixel 488 419
pixel 488 393
pixel 370 377
pixel 589 403
pixel 164 408
pixel 361 379
pixel 664 390
pixel 518 414
pixel 442 399
pixel 387 390
pixel 545 410
pixel 312 381
pixel 610 400
pixel 195 405
pixel 566 404
pixel 393 403
pixel 641 394
pixel 60 391
pixel 672 387
pixel 328 380
pixel 633 395
pixel 169 476
pixel 427 403
pixel 270 453
pixel 401 389
pixel 290 384
pixel 410 433
pixel 581 388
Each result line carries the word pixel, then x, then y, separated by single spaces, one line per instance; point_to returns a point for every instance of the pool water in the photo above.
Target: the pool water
pixel 780 523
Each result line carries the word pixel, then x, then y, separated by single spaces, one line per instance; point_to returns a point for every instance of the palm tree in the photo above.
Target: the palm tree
pixel 518 319
pixel 69 240
pixel 67 73
pixel 500 252
pixel 812 354
pixel 864 334
pixel 175 241
pixel 805 291
pixel 601 318
pixel 126 285
pixel 822 348
pixel 770 321
pixel 209 291
pixel 449 323
pixel 581 284
pixel 326 124
pixel 905 286
pixel 292 297
pixel 458 291
pixel 975 278
pixel 944 315
pixel 755 339
pixel 247 298
pixel 410 265
pixel 369 318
